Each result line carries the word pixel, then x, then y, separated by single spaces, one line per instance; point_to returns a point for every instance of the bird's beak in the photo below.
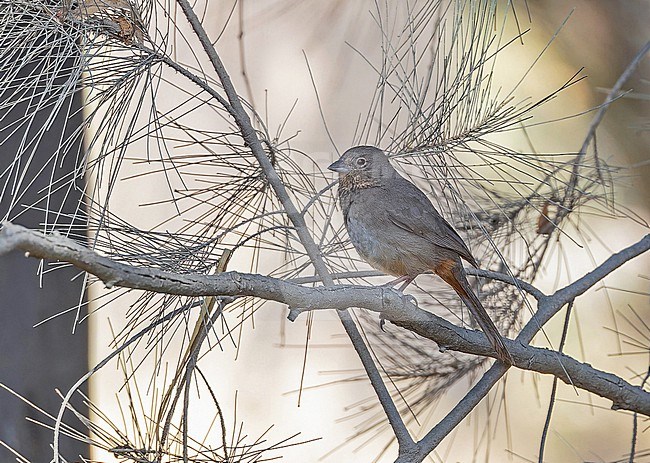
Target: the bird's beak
pixel 339 166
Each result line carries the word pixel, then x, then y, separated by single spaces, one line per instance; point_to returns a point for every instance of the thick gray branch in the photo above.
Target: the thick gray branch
pixel 581 375
pixel 548 306
pixel 393 306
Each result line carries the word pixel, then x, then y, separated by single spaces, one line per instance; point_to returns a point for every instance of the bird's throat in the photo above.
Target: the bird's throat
pixel 353 181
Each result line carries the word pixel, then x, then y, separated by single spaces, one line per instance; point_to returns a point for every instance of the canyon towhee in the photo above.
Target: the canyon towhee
pixel 395 228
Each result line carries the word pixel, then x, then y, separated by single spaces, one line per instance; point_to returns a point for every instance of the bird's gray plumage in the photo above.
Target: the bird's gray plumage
pixel 399 213
pixel 396 229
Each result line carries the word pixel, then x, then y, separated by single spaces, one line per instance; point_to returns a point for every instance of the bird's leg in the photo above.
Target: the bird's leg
pixel 406 279
pixel 407 282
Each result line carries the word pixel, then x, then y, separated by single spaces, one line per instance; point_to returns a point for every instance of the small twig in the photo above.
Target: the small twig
pixel 222 421
pixel 320 105
pixel 242 54
pixel 551 401
pixel 503 277
pixel 186 407
pixel 190 364
pixel 612 95
pixel 185 369
pixel 595 122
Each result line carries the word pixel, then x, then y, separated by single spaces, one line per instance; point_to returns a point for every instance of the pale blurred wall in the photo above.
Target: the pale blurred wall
pixel 600 37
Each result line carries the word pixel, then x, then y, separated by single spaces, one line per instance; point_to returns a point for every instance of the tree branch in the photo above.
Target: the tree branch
pixel 552 304
pixel 393 306
pixel 548 306
pixel 250 138
pixel 611 96
pixel 595 122
pixel 581 375
pixel 464 407
pixel 524 286
pixel 494 374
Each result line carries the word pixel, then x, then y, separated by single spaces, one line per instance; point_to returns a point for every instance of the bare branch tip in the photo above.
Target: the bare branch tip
pixel 293 314
pixel 7 237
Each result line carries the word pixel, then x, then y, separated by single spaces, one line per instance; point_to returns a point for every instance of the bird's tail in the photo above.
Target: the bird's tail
pixel 455 277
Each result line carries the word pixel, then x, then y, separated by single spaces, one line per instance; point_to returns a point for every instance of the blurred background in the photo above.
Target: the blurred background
pixel 259 381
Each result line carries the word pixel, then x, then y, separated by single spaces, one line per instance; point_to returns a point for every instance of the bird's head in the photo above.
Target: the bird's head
pixel 365 162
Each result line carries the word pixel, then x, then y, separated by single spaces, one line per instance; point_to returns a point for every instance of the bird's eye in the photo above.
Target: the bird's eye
pixel 361 162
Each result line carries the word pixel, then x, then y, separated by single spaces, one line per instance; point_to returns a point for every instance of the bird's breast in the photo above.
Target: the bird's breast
pixel 376 243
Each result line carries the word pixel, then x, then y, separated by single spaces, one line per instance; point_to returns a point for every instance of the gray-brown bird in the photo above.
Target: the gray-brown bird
pixel 395 228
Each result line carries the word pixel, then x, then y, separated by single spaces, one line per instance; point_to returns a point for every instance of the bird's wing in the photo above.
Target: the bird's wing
pixel 409 209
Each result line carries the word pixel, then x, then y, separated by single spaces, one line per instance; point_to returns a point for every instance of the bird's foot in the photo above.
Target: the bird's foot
pixel 405 280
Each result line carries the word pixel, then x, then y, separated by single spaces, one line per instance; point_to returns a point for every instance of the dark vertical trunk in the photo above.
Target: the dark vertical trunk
pixel 35 361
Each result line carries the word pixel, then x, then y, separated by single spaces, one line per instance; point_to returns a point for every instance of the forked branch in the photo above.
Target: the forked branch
pixel 393 306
